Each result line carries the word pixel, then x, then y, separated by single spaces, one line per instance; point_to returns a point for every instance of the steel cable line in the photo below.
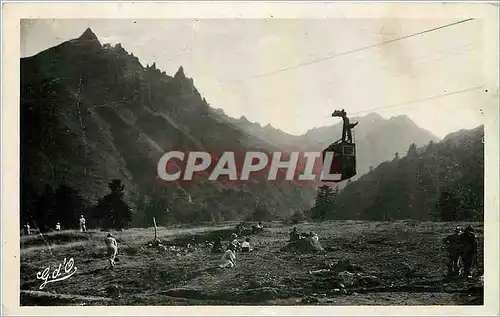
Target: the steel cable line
pixel 452 53
pixel 328 57
pixel 426 61
pixel 456 92
pixel 404 103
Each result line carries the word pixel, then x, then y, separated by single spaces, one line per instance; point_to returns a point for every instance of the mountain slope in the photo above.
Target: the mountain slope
pixel 377 139
pixel 92 112
pixel 412 187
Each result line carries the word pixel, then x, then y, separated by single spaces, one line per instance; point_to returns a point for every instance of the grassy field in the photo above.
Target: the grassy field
pixel 397 263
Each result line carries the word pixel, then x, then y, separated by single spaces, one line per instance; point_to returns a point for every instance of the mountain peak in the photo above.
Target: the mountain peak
pixel 401 117
pixel 89 39
pixel 374 116
pixel 88 35
pixel 180 73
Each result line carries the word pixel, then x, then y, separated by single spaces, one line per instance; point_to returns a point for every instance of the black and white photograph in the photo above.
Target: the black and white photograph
pixel 264 161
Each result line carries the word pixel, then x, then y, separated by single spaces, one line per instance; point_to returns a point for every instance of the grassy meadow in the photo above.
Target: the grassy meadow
pixel 391 263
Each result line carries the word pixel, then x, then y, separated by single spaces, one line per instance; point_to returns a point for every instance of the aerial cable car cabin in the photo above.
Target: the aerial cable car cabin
pixel 343 150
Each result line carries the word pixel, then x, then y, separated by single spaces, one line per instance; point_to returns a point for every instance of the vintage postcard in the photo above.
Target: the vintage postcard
pixel 258 158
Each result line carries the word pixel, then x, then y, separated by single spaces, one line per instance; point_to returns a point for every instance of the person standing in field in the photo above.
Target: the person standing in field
pixel 83 227
pixel 452 243
pixel 58 226
pixel 27 229
pixel 468 250
pixel 112 249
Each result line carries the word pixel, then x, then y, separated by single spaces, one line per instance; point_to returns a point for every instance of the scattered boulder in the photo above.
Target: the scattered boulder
pixel 303 245
pixel 245 229
pixel 258 294
pixel 41 298
pixel 404 270
pixel 255 284
pixel 309 300
pixel 185 292
pixel 352 280
pixel 343 276
pixel 113 291
pixel 347 278
pixel 257 229
pixel 156 243
pixel 344 265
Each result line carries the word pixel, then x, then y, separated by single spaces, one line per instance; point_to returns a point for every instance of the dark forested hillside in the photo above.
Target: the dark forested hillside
pixel 441 181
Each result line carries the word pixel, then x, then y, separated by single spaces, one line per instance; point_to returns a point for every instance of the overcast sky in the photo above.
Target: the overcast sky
pixel 226 57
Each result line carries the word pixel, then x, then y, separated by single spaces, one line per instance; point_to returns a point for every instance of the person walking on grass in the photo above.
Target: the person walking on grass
pixel 112 249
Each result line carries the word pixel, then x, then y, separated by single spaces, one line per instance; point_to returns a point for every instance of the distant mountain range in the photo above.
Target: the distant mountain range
pixel 92 112
pixel 377 139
